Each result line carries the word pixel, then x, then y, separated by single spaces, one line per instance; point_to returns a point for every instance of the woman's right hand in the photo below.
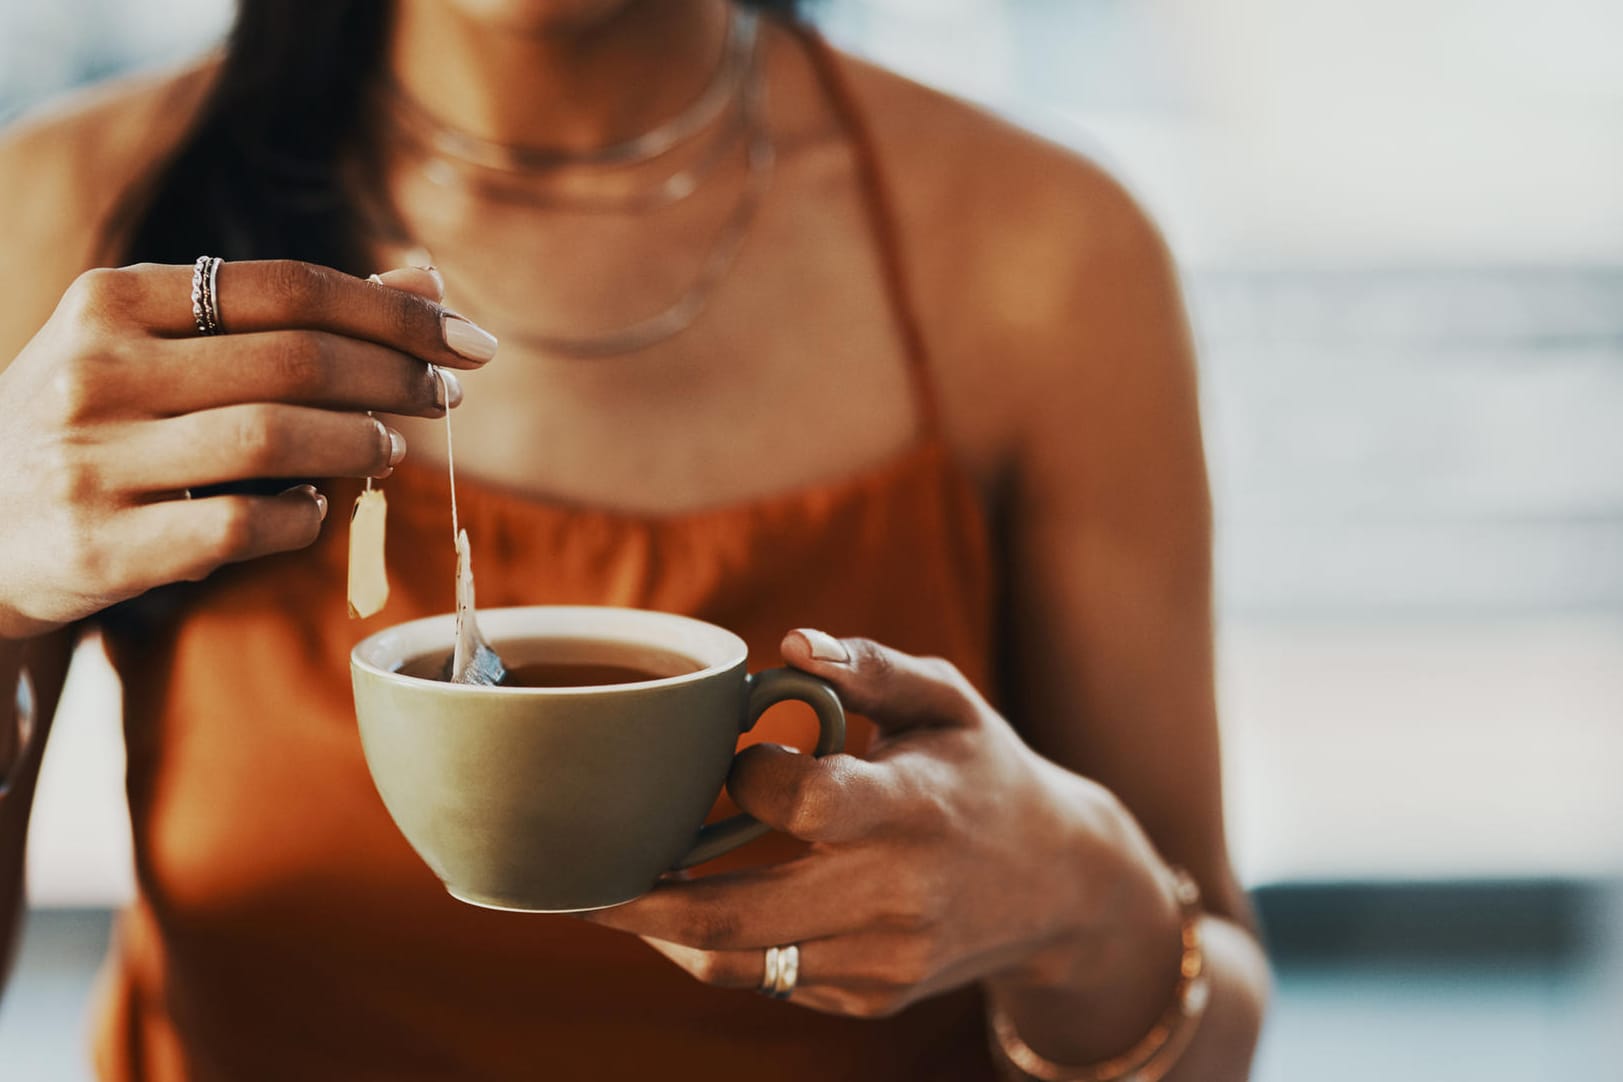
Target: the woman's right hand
pixel 118 408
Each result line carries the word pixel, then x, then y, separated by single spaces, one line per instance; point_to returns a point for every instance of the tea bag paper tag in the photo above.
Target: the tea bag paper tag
pixel 368 574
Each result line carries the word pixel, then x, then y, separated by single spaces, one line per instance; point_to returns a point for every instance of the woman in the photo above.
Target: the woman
pixel 786 342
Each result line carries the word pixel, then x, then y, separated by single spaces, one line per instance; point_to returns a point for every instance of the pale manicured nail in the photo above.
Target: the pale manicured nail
pixel 824 647
pixel 374 278
pixel 450 388
pixel 468 339
pixel 397 446
pixel 434 271
pixel 312 492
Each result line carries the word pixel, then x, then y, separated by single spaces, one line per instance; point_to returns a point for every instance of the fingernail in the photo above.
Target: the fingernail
pixel 468 339
pixel 450 388
pixel 397 447
pixel 314 493
pixel 375 278
pixel 429 268
pixel 824 647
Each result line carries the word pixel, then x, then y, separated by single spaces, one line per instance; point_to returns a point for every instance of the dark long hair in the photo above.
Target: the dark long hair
pixel 258 176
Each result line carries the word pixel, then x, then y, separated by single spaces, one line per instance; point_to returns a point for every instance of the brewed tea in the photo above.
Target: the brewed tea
pixel 570 663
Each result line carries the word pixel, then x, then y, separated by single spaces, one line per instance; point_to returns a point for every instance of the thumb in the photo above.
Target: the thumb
pixel 894 690
pixel 425 281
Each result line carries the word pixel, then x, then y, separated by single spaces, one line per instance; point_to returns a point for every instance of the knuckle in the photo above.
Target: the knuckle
pixel 301 366
pixel 911 907
pixel 83 556
pixel 255 438
pixel 958 694
pixel 942 671
pixel 81 382
pixel 298 286
pixel 71 478
pixel 96 294
pixel 876 661
pixel 811 807
pixel 408 317
pixel 233 530
pixel 711 930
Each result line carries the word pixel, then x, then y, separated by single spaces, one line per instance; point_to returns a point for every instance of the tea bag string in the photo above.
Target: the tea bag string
pixel 368 488
pixel 450 456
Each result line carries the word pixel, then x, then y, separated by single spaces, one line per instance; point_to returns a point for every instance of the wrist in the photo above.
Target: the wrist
pixel 1151 1057
pixel 1100 982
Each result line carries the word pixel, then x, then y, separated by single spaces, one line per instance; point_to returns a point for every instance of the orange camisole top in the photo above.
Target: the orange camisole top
pixel 284 930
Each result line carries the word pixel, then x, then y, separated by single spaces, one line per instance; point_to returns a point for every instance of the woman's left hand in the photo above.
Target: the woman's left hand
pixel 952 854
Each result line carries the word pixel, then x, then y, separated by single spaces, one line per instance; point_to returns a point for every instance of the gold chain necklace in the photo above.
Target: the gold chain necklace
pixel 761 157
pixel 454 158
pixel 464 147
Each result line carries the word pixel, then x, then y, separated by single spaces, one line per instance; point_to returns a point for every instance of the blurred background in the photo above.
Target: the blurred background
pixel 1401 229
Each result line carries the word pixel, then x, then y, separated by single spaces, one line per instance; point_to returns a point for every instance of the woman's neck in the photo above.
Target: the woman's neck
pixel 567 83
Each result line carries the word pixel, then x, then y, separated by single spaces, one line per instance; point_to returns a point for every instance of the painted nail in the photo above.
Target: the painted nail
pixel 433 271
pixel 375 278
pixel 312 492
pixel 450 388
pixel 468 339
pixel 824 647
pixel 397 446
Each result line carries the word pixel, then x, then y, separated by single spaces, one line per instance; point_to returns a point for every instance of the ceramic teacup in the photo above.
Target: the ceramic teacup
pixel 558 799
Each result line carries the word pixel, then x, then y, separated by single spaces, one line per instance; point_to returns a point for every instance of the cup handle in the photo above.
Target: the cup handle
pixel 766 689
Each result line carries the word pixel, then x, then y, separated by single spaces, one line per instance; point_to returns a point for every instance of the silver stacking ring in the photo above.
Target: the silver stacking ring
pixel 206 295
pixel 782 971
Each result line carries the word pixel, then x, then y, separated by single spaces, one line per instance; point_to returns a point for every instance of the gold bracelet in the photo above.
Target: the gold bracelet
pixel 1158 1052
pixel 22 719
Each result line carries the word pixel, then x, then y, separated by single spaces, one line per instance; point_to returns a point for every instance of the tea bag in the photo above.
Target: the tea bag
pixel 472 660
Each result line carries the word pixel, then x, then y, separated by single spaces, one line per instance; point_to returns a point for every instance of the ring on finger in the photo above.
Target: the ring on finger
pixel 782 971
pixel 206 295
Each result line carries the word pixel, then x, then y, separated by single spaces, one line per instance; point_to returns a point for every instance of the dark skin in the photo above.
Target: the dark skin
pixel 1027 850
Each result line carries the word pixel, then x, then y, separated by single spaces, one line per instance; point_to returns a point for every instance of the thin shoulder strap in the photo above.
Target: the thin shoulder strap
pixel 881 219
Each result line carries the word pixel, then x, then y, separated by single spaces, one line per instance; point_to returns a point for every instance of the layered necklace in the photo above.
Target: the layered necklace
pixel 734 97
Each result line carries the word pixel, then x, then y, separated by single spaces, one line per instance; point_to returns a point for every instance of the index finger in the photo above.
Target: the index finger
pixel 808 898
pixel 283 294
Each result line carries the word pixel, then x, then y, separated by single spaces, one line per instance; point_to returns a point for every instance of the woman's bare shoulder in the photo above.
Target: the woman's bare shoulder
pixel 63 169
pixel 1018 249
